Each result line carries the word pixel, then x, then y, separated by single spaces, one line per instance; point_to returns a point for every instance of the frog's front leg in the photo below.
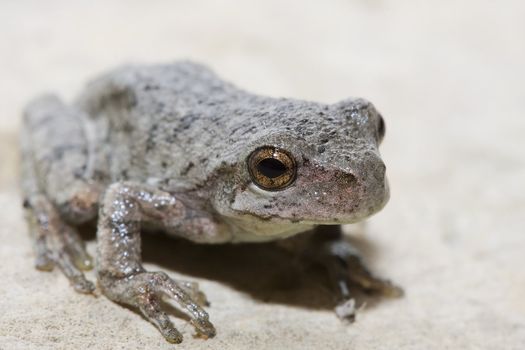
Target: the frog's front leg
pixel 345 267
pixel 119 264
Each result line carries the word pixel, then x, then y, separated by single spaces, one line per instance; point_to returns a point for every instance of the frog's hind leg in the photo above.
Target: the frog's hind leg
pixel 345 267
pixel 328 247
pixel 54 160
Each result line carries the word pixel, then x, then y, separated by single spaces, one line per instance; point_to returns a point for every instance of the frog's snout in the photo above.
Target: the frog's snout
pixel 364 187
pixel 364 173
pixel 373 186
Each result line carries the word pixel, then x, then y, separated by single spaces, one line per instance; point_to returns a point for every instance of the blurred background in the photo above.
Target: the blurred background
pixel 448 76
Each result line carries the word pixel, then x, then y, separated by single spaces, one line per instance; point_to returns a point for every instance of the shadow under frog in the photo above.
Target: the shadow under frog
pixel 267 272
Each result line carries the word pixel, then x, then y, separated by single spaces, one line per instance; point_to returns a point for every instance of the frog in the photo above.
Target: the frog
pixel 175 147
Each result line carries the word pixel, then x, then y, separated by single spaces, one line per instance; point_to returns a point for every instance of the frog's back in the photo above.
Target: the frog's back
pixel 174 125
pixel 161 122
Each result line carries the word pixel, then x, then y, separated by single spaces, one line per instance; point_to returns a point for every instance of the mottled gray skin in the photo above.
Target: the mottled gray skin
pixel 167 146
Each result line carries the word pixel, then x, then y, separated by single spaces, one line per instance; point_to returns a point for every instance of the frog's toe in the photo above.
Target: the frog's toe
pixel 44 263
pixel 75 247
pixel 43 260
pixel 149 304
pixel 192 288
pixel 77 279
pixel 145 291
pixel 82 285
pixel 384 287
pixel 366 280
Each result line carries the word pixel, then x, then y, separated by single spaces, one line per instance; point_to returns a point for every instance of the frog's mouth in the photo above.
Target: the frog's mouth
pixel 269 212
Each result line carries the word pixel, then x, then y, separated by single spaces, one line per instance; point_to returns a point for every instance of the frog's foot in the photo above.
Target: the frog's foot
pixel 351 271
pixel 58 244
pixel 144 290
pixel 346 270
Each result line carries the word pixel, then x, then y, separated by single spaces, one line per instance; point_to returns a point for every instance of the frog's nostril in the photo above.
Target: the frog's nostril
pixel 381 168
pixel 348 179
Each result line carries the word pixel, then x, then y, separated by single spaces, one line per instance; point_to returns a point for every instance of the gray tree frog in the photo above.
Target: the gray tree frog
pixel 174 146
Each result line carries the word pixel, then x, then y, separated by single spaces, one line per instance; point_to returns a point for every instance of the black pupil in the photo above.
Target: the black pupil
pixel 271 167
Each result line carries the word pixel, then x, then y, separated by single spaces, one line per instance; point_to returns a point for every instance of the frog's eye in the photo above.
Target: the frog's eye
pixel 381 128
pixel 271 168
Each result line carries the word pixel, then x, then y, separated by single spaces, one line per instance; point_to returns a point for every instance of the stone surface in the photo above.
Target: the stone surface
pixel 448 77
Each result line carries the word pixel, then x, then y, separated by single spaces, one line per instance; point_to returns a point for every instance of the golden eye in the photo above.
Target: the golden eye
pixel 271 168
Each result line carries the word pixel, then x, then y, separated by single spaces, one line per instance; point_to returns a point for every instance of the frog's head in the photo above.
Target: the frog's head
pixel 313 164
